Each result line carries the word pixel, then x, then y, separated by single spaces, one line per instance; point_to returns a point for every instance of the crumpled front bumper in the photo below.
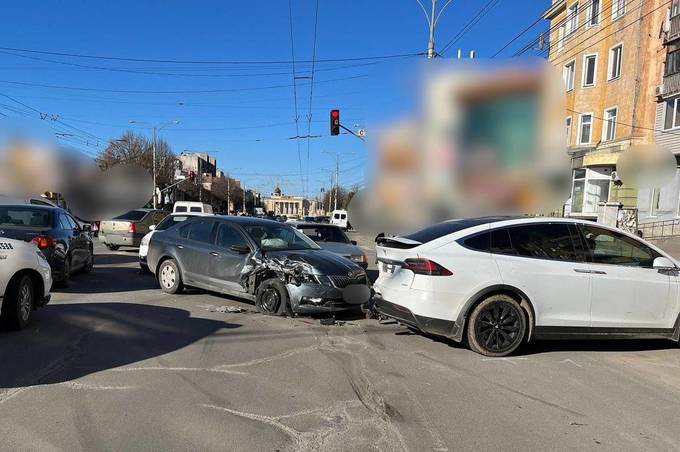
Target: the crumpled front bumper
pixel 333 299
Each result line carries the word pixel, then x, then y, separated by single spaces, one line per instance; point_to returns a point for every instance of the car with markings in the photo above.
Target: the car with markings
pixel 129 228
pixel 497 282
pixel 25 281
pixel 271 263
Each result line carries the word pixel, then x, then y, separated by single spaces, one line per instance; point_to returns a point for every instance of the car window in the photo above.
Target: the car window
pixel 133 215
pixel 228 236
pixel 343 216
pixel 611 247
pixel 279 237
pixel 170 221
pixel 183 231
pixel 25 216
pixel 180 209
pixel 544 241
pixel 63 222
pixel 496 241
pixel 196 209
pixel 72 223
pixel 324 234
pixel 202 231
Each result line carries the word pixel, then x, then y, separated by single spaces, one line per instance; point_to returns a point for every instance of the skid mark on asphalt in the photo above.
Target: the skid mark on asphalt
pixel 88 386
pixel 177 369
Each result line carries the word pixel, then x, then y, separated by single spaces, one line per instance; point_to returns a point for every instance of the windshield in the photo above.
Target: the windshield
pixel 324 234
pixel 133 215
pixel 279 237
pixel 27 216
pixel 170 221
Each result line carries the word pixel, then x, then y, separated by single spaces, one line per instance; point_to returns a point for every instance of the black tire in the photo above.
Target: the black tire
pixel 169 277
pixel 112 247
pixel 272 298
pixel 497 326
pixel 65 280
pixel 19 303
pixel 89 264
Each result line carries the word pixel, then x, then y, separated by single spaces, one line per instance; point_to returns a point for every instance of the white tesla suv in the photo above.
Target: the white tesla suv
pixel 497 282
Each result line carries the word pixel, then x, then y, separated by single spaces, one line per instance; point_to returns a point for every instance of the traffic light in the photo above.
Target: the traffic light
pixel 335 122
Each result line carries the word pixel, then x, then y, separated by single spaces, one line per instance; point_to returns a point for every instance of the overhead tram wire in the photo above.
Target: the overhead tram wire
pixel 471 23
pixel 225 62
pixel 311 95
pixel 295 106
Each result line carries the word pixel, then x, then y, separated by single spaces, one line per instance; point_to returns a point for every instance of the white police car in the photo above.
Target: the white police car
pixel 25 281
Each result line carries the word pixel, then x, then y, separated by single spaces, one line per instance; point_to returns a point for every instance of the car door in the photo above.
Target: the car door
pixel 545 261
pixel 227 261
pixel 79 241
pixel 626 292
pixel 194 251
pixel 68 240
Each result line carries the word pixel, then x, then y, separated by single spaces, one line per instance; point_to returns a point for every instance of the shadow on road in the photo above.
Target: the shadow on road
pixel 114 259
pixel 67 341
pixel 109 280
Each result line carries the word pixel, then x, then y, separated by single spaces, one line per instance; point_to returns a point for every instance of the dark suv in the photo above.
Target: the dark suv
pixel 66 245
pixel 272 263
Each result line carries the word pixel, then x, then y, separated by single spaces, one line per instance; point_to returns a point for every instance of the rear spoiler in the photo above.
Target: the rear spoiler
pixel 397 242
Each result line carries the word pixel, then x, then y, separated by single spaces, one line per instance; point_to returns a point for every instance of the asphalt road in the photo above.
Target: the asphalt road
pixel 112 363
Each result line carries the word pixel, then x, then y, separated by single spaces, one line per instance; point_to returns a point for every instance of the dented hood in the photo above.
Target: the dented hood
pixel 323 262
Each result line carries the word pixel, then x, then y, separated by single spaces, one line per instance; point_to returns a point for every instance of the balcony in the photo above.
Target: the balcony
pixel 673 31
pixel 671 85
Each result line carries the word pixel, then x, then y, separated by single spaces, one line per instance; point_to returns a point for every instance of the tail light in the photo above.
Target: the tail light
pixel 425 267
pixel 132 228
pixel 43 242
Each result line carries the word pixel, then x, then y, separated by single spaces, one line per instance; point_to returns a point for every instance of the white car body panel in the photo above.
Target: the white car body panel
pixel 17 255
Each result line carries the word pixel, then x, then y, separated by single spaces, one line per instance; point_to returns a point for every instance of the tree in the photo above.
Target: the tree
pixel 131 148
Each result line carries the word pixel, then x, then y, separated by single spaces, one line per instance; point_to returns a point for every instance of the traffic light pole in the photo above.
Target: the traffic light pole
pixel 352 132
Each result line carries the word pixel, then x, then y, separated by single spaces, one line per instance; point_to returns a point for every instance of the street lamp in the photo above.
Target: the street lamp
pixel 156 127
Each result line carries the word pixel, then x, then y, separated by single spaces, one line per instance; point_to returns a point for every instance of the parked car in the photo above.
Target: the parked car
pixel 169 221
pixel 274 264
pixel 191 206
pixel 334 239
pixel 499 282
pixel 66 245
pixel 129 229
pixel 25 281
pixel 339 218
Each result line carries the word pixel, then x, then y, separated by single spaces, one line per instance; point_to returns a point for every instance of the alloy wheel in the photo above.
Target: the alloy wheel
pixel 25 302
pixel 499 327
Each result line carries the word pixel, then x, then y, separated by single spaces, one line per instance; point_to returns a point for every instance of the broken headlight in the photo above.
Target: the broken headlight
pixel 307 278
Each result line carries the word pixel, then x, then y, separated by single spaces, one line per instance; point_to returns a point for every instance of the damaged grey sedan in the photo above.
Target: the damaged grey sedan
pixel 271 263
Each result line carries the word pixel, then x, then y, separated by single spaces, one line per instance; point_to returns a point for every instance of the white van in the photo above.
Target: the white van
pixel 191 207
pixel 339 218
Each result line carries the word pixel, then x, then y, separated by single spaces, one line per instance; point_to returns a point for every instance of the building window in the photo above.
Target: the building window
pixel 618 8
pixel 568 124
pixel 572 19
pixel 654 200
pixel 615 57
pixel 585 128
pixel 593 13
pixel 671 118
pixel 589 70
pixel 569 75
pixel 590 187
pixel 609 129
pixel 675 8
pixel 672 63
pixel 560 38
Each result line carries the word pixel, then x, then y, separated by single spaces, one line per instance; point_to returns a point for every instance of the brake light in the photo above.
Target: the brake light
pixel 132 228
pixel 42 242
pixel 425 267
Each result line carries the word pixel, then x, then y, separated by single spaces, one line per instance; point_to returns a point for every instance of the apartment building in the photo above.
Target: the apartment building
pixel 611 56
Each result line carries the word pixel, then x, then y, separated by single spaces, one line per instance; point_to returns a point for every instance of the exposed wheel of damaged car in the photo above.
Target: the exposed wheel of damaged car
pixel 272 298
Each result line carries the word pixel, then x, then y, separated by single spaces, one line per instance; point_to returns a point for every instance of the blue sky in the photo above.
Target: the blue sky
pixel 247 126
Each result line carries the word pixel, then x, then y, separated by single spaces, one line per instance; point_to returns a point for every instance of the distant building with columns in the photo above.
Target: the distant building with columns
pixel 280 204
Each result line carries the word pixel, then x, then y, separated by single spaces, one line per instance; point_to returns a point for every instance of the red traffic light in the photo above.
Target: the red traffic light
pixel 335 122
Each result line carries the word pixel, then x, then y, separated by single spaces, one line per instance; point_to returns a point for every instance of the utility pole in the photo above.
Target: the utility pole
pixel 228 201
pixel 432 20
pixel 244 197
pixel 337 180
pixel 154 167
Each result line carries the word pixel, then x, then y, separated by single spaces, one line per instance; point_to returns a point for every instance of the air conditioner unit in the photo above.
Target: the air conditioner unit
pixel 658 91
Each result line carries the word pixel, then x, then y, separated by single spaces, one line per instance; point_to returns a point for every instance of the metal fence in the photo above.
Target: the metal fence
pixel 660 229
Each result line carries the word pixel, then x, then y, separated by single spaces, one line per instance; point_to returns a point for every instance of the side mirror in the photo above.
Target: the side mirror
pixel 87 227
pixel 353 242
pixel 663 263
pixel 240 249
pixel 152 227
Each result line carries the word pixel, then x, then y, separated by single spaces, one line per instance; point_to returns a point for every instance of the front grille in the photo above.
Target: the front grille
pixel 342 281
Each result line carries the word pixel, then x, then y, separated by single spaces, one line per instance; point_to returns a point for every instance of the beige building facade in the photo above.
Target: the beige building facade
pixel 611 55
pixel 281 204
